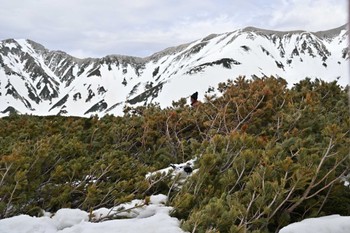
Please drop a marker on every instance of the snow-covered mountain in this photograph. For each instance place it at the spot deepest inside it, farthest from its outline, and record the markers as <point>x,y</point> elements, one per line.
<point>35,80</point>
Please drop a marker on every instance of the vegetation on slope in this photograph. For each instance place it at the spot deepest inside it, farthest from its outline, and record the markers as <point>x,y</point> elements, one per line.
<point>267,155</point>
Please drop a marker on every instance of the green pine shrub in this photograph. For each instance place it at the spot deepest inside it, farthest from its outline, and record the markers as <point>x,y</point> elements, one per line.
<point>267,155</point>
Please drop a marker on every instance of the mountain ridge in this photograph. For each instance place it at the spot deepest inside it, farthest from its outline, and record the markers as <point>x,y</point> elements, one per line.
<point>36,80</point>
<point>322,33</point>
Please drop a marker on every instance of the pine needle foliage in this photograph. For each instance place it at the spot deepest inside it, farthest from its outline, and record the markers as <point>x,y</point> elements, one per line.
<point>273,155</point>
<point>267,155</point>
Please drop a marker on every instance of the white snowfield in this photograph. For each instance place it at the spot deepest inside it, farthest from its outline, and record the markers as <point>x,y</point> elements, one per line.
<point>85,87</point>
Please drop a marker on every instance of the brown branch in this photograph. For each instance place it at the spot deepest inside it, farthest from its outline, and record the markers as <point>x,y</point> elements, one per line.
<point>4,175</point>
<point>115,215</point>
<point>250,113</point>
<point>312,183</point>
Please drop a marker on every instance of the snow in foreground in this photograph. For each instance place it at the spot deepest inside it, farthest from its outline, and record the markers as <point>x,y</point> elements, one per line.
<point>150,218</point>
<point>143,216</point>
<point>327,224</point>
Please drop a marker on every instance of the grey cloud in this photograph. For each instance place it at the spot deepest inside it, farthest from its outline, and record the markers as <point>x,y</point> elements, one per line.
<point>140,28</point>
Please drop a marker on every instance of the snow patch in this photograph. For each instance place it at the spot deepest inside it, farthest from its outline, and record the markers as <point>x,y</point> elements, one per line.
<point>65,218</point>
<point>327,224</point>
<point>152,217</point>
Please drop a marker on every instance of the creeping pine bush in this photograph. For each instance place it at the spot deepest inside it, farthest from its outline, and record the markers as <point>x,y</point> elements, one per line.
<point>267,155</point>
<point>273,155</point>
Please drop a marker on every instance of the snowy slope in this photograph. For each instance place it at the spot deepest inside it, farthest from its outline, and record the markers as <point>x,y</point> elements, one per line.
<point>34,80</point>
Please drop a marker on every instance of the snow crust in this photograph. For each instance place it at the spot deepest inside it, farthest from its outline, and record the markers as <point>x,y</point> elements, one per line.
<point>327,224</point>
<point>150,218</point>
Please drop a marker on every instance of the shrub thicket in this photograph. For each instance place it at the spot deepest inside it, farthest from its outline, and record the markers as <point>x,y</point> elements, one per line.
<point>268,155</point>
<point>274,155</point>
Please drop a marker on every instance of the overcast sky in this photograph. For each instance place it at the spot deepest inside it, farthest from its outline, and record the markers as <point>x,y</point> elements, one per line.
<point>96,28</point>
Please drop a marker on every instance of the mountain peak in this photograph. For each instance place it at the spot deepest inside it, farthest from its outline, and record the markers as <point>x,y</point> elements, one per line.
<point>36,46</point>
<point>322,34</point>
<point>270,32</point>
<point>331,33</point>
